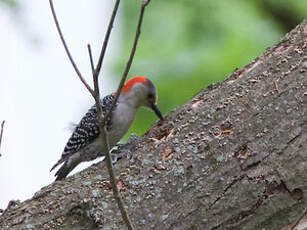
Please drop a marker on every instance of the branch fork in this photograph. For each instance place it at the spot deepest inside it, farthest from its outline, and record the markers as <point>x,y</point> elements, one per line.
<point>96,94</point>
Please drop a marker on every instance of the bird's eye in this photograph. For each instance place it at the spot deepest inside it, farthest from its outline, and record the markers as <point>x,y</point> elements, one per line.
<point>150,96</point>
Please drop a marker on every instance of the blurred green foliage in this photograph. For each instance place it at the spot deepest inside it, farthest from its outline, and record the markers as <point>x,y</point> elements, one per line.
<point>12,4</point>
<point>186,45</point>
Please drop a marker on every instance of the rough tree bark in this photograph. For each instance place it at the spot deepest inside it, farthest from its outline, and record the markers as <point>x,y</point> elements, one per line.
<point>233,157</point>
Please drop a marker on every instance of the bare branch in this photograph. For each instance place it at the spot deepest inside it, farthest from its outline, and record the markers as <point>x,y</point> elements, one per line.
<point>102,127</point>
<point>1,133</point>
<point>106,40</point>
<point>101,57</point>
<point>95,93</point>
<point>113,179</point>
<point>91,58</point>
<point>128,65</point>
<point>103,120</point>
<point>67,50</point>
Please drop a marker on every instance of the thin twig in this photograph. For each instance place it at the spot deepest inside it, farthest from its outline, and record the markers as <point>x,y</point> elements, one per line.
<point>67,50</point>
<point>95,94</point>
<point>113,180</point>
<point>1,133</point>
<point>106,40</point>
<point>101,57</point>
<point>128,65</point>
<point>102,126</point>
<point>106,150</point>
<point>91,58</point>
<point>102,123</point>
<point>299,219</point>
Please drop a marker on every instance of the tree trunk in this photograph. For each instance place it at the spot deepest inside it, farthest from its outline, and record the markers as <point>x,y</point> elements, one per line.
<point>233,157</point>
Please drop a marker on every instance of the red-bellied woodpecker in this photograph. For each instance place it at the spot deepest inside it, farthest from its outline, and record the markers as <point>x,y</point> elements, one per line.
<point>85,144</point>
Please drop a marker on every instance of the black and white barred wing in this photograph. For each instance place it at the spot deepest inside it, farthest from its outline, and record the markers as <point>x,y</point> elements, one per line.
<point>86,131</point>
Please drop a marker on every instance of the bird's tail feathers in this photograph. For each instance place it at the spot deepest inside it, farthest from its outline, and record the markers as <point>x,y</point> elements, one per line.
<point>66,168</point>
<point>58,163</point>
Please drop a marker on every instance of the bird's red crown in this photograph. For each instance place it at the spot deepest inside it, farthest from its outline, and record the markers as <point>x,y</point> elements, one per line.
<point>131,82</point>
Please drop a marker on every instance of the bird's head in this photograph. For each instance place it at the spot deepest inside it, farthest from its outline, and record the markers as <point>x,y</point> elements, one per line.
<point>141,92</point>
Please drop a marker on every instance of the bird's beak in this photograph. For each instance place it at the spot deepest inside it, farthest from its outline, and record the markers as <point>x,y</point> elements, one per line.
<point>155,108</point>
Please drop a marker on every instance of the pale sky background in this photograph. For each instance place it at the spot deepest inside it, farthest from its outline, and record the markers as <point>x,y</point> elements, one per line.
<point>40,94</point>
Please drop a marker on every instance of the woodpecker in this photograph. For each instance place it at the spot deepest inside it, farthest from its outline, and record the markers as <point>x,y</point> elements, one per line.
<point>85,144</point>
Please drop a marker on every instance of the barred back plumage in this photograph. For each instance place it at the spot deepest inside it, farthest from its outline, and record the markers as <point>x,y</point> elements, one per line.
<point>87,130</point>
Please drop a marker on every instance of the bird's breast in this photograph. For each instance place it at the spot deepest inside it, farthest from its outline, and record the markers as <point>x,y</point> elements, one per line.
<point>122,119</point>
